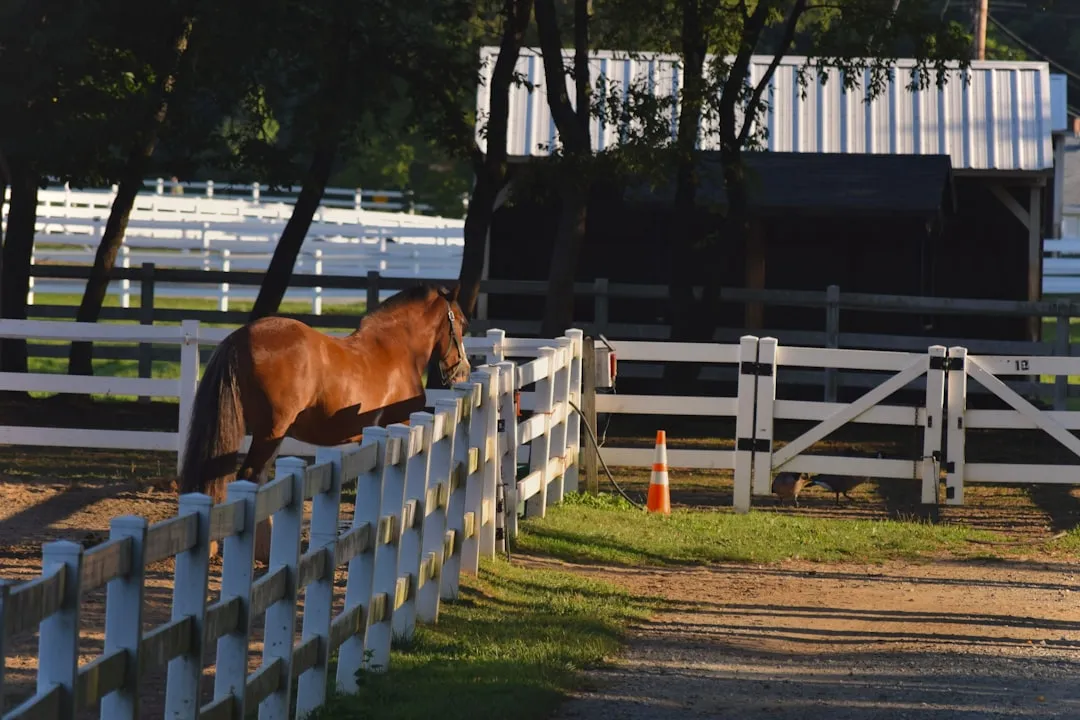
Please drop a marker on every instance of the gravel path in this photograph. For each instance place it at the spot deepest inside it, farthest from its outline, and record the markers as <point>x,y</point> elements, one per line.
<point>944,640</point>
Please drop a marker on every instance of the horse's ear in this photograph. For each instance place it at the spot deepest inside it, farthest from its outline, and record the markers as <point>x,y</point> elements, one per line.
<point>454,291</point>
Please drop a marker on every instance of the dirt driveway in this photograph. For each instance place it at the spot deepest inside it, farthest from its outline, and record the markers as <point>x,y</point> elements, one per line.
<point>944,640</point>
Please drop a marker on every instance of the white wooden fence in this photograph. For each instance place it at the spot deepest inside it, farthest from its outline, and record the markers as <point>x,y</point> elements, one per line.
<point>939,375</point>
<point>393,200</point>
<point>427,509</point>
<point>1061,256</point>
<point>213,233</point>
<point>762,365</point>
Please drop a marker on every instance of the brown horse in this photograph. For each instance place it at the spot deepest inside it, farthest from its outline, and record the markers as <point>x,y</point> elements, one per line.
<point>280,378</point>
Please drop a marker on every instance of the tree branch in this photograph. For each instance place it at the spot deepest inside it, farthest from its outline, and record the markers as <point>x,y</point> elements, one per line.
<point>582,11</point>
<point>566,121</point>
<point>785,45</point>
<point>516,16</point>
<point>750,36</point>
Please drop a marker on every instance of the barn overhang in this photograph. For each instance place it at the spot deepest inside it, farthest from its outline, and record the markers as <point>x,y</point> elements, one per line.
<point>820,184</point>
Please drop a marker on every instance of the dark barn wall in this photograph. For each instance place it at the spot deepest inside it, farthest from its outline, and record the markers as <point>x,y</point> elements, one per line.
<point>624,243</point>
<point>984,255</point>
<point>859,254</point>
<point>979,253</point>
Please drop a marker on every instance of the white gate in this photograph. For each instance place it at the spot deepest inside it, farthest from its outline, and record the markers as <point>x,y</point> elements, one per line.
<point>987,370</point>
<point>870,408</point>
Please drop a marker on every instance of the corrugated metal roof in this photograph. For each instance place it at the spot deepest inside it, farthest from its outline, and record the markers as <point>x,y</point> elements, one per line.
<point>1000,120</point>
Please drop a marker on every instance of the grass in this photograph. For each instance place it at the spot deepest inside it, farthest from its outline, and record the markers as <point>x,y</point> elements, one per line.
<point>606,529</point>
<point>510,647</point>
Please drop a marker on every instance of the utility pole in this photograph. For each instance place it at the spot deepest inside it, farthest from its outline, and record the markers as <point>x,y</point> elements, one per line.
<point>979,11</point>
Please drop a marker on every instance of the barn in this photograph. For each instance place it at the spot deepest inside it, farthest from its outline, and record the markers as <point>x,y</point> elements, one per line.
<point>936,192</point>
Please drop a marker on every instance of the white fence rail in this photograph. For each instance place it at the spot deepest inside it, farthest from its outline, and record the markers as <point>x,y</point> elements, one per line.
<point>427,509</point>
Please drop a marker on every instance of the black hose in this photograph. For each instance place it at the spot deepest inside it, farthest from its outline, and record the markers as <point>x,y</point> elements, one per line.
<point>592,436</point>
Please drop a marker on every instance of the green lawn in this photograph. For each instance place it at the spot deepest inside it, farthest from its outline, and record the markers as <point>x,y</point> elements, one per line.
<point>510,647</point>
<point>606,529</point>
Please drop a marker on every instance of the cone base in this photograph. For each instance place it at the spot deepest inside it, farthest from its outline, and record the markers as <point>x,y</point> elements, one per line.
<point>659,499</point>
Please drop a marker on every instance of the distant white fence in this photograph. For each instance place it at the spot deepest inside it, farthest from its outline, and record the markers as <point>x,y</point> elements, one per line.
<point>214,233</point>
<point>256,192</point>
<point>1061,256</point>
<point>427,509</point>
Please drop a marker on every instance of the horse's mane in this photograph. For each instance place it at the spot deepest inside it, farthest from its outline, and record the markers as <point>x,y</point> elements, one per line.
<point>385,312</point>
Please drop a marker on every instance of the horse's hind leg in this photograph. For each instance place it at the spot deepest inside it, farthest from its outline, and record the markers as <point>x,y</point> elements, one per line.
<point>256,467</point>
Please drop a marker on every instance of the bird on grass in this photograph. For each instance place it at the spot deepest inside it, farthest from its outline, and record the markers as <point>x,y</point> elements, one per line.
<point>841,484</point>
<point>838,484</point>
<point>788,485</point>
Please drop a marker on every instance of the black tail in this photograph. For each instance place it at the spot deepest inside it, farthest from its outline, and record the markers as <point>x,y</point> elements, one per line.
<point>216,428</point>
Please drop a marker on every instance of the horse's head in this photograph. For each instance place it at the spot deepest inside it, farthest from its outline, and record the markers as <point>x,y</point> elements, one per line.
<point>449,339</point>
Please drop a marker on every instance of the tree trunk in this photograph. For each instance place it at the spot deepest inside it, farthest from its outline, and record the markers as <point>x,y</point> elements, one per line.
<point>328,132</point>
<point>559,310</point>
<point>573,126</point>
<point>477,223</point>
<point>15,268</point>
<point>685,259</point>
<point>491,168</point>
<point>97,285</point>
<point>276,280</point>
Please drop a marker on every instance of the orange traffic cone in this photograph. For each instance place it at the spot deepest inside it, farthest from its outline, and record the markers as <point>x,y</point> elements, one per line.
<point>659,499</point>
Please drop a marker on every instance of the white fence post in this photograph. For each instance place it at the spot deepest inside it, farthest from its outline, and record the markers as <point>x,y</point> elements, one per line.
<point>230,678</point>
<point>540,447</point>
<point>123,618</point>
<point>226,266</point>
<point>455,504</point>
<point>189,600</point>
<point>280,620</point>
<point>358,588</point>
<point>442,425</point>
<point>490,460</point>
<point>319,594</point>
<point>954,439</point>
<point>932,431</point>
<point>561,403</point>
<point>125,284</point>
<point>189,383</point>
<point>474,480</point>
<point>58,634</point>
<point>5,589</point>
<point>744,422</point>
<point>387,544</point>
<point>496,355</point>
<point>573,418</point>
<point>763,414</point>
<point>508,472</point>
<point>415,509</point>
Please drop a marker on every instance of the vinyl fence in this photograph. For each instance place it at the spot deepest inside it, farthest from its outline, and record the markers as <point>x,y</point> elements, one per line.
<point>429,504</point>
